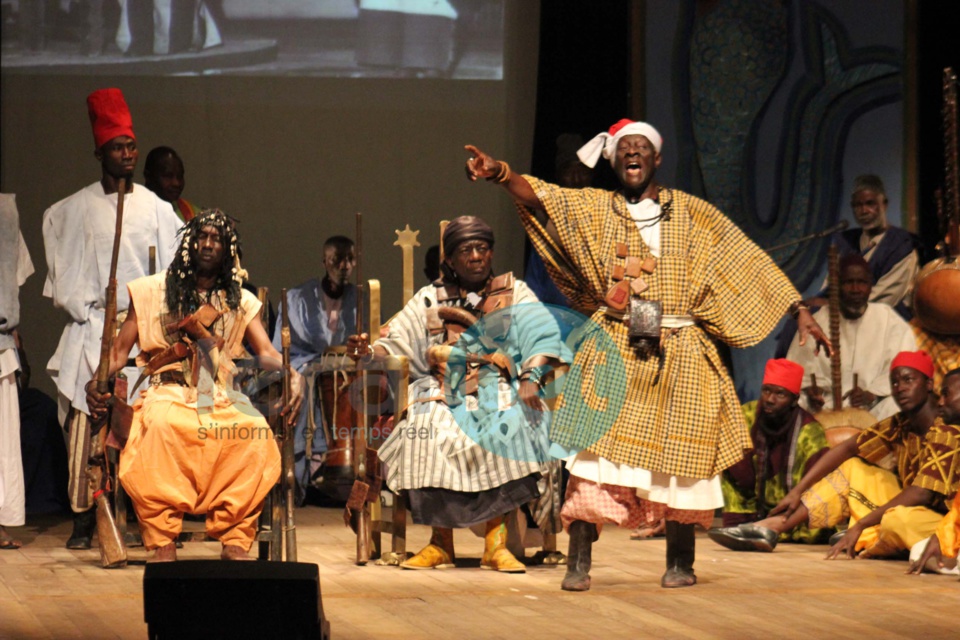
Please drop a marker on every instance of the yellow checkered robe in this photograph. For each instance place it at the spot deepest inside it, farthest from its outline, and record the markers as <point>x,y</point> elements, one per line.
<point>680,416</point>
<point>930,461</point>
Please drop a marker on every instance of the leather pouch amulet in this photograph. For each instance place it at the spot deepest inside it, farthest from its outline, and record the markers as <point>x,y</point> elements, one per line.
<point>645,320</point>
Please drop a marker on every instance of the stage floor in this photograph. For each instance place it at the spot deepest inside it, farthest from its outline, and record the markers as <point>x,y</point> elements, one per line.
<point>47,591</point>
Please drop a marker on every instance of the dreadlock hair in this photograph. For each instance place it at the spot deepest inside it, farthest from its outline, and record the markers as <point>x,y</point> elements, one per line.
<point>182,296</point>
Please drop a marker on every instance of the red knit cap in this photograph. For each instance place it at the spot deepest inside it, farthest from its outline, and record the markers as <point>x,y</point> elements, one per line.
<point>919,360</point>
<point>109,116</point>
<point>784,373</point>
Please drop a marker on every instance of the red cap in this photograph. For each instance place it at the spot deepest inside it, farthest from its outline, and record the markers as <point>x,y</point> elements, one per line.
<point>919,360</point>
<point>784,373</point>
<point>620,124</point>
<point>109,116</point>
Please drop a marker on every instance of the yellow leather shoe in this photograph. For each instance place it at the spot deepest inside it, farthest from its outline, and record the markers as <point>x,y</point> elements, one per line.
<point>496,556</point>
<point>502,560</point>
<point>430,557</point>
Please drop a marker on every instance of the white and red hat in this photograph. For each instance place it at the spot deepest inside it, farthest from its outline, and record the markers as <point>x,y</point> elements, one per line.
<point>605,143</point>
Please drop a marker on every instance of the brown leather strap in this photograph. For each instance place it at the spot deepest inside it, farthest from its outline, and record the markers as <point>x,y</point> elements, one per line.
<point>502,282</point>
<point>168,377</point>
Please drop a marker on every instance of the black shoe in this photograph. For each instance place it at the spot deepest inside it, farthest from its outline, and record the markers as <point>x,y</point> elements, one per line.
<point>836,537</point>
<point>681,553</point>
<point>83,525</point>
<point>582,536</point>
<point>745,537</point>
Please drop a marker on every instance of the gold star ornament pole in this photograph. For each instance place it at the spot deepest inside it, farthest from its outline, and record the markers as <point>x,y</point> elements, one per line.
<point>407,240</point>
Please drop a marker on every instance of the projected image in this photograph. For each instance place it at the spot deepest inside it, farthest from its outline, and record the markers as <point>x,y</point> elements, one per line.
<point>457,39</point>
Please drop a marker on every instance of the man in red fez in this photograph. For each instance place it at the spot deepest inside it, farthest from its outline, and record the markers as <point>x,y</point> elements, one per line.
<point>78,237</point>
<point>939,553</point>
<point>787,442</point>
<point>887,511</point>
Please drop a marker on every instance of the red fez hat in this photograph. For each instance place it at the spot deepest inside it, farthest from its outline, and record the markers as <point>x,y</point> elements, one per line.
<point>919,360</point>
<point>784,373</point>
<point>109,116</point>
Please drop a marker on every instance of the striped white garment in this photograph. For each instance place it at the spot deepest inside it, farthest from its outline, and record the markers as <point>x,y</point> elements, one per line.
<point>429,448</point>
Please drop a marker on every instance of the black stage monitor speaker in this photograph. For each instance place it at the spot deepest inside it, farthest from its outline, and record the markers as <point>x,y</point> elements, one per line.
<point>223,599</point>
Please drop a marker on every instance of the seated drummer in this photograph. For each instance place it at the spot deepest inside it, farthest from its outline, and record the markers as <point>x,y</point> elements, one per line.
<point>787,442</point>
<point>888,512</point>
<point>323,312</point>
<point>195,444</point>
<point>442,453</point>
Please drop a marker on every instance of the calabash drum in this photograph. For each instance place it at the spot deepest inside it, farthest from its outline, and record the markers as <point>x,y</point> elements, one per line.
<point>936,296</point>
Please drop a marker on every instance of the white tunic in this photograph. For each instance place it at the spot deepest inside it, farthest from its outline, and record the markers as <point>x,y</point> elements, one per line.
<point>867,347</point>
<point>12,496</point>
<point>78,238</point>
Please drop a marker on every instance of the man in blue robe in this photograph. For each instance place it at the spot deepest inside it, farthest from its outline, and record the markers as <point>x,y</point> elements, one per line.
<point>322,314</point>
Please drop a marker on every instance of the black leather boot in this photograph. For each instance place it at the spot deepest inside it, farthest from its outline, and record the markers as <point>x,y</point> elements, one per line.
<point>582,536</point>
<point>681,550</point>
<point>83,525</point>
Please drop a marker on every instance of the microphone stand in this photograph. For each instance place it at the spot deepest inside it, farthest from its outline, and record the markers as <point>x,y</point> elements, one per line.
<point>813,236</point>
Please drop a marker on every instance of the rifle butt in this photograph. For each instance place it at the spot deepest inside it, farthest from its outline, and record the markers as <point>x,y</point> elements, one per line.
<point>113,552</point>
<point>289,489</point>
<point>363,535</point>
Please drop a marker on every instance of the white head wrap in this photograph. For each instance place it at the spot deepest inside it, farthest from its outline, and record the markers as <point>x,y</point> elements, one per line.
<point>605,143</point>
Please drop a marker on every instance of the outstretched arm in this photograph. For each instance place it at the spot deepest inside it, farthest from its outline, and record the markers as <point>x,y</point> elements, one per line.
<point>483,166</point>
<point>930,552</point>
<point>829,462</point>
<point>807,327</point>
<point>910,497</point>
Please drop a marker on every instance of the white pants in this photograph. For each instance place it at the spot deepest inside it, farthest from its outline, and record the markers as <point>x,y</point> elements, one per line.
<point>12,496</point>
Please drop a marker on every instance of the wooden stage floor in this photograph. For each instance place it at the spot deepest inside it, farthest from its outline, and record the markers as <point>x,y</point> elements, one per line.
<point>47,591</point>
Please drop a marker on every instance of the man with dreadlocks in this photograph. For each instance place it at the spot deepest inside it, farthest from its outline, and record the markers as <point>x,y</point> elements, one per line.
<point>196,445</point>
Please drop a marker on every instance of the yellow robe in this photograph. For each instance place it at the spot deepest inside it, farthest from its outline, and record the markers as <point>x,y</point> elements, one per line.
<point>948,531</point>
<point>678,414</point>
<point>855,489</point>
<point>196,451</point>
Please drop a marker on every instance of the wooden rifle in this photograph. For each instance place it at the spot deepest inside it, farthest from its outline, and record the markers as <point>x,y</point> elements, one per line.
<point>270,537</point>
<point>289,478</point>
<point>113,551</point>
<point>365,490</point>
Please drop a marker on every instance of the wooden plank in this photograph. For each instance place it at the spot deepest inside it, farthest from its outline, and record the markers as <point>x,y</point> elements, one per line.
<point>47,591</point>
